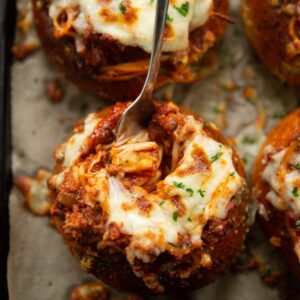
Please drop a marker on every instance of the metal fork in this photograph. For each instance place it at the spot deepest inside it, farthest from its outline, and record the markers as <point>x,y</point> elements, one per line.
<point>137,115</point>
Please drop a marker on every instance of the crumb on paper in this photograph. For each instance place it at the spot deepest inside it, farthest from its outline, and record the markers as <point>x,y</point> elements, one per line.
<point>27,41</point>
<point>35,192</point>
<point>90,291</point>
<point>247,72</point>
<point>249,140</point>
<point>23,49</point>
<point>260,257</point>
<point>221,111</point>
<point>229,85</point>
<point>55,91</point>
<point>249,92</point>
<point>99,291</point>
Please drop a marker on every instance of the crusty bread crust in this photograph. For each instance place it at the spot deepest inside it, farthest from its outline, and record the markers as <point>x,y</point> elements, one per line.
<point>279,223</point>
<point>86,69</point>
<point>274,34</point>
<point>222,238</point>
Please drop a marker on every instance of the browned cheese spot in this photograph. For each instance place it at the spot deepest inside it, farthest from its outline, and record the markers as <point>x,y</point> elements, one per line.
<point>144,205</point>
<point>199,164</point>
<point>169,32</point>
<point>126,206</point>
<point>129,16</point>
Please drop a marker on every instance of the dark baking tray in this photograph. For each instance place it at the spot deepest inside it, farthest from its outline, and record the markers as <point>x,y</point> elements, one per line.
<point>7,28</point>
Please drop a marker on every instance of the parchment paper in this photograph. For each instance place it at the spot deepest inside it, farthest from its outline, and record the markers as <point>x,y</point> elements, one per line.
<point>40,266</point>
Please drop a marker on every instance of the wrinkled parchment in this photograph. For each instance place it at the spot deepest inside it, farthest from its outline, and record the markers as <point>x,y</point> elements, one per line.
<point>40,267</point>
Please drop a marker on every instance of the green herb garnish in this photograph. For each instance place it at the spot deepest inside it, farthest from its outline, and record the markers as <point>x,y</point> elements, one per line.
<point>162,203</point>
<point>190,191</point>
<point>248,140</point>
<point>216,157</point>
<point>175,216</point>
<point>297,223</point>
<point>217,110</point>
<point>232,174</point>
<point>179,185</point>
<point>189,219</point>
<point>201,192</point>
<point>295,191</point>
<point>277,115</point>
<point>245,160</point>
<point>122,7</point>
<point>183,9</point>
<point>296,166</point>
<point>169,19</point>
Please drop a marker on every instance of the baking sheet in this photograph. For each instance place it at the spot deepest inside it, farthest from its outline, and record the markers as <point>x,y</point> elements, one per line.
<point>239,97</point>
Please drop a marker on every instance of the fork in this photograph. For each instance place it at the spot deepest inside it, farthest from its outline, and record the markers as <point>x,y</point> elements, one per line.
<point>139,112</point>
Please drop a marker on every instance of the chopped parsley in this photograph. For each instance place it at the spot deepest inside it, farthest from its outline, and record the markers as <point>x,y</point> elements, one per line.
<point>248,140</point>
<point>217,110</point>
<point>122,7</point>
<point>183,9</point>
<point>228,57</point>
<point>175,216</point>
<point>296,166</point>
<point>190,191</point>
<point>232,174</point>
<point>162,203</point>
<point>189,219</point>
<point>245,160</point>
<point>295,192</point>
<point>297,223</point>
<point>277,115</point>
<point>216,157</point>
<point>201,192</point>
<point>179,185</point>
<point>126,161</point>
<point>169,19</point>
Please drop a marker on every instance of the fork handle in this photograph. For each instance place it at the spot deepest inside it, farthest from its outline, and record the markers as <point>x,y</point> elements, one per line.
<point>157,43</point>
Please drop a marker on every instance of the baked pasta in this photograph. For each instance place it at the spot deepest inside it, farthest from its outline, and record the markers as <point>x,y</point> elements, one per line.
<point>273,29</point>
<point>276,182</point>
<point>104,46</point>
<point>167,210</point>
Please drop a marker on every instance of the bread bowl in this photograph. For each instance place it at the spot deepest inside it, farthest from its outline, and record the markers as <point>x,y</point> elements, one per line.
<point>104,46</point>
<point>273,30</point>
<point>276,180</point>
<point>166,211</point>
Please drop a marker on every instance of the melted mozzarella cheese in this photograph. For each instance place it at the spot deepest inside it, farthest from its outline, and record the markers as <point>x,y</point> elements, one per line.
<point>77,142</point>
<point>161,227</point>
<point>211,203</point>
<point>177,207</point>
<point>71,151</point>
<point>134,26</point>
<point>285,190</point>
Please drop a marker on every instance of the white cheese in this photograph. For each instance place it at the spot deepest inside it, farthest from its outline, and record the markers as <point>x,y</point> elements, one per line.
<point>134,28</point>
<point>284,183</point>
<point>77,142</point>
